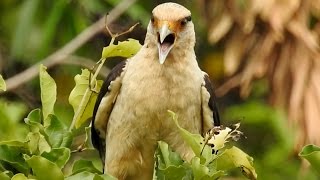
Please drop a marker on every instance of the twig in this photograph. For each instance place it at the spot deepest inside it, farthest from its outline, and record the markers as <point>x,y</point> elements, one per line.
<point>72,46</point>
<point>86,63</point>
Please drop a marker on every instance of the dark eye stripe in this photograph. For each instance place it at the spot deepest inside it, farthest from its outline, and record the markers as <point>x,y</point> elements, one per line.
<point>188,18</point>
<point>185,20</point>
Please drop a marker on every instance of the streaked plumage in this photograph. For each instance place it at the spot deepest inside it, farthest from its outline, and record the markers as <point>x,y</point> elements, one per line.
<point>131,115</point>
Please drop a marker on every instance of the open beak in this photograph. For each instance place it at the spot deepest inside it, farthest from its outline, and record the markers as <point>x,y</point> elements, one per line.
<point>166,39</point>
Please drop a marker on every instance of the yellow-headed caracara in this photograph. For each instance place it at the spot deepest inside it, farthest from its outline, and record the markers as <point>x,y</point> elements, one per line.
<point>131,112</point>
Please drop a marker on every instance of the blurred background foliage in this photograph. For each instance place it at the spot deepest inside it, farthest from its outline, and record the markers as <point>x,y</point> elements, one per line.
<point>263,58</point>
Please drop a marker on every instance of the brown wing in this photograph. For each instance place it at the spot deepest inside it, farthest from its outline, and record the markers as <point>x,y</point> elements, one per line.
<point>103,107</point>
<point>210,112</point>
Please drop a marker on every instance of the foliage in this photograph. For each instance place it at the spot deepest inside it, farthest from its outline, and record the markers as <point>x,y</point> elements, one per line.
<point>48,93</point>
<point>81,91</point>
<point>209,162</point>
<point>47,148</point>
<point>312,154</point>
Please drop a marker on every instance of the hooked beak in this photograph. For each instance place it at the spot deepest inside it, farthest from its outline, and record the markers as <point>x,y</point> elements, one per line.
<point>166,39</point>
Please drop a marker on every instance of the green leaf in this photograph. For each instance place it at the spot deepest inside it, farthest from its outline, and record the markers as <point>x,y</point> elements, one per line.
<point>59,156</point>
<point>34,120</point>
<point>199,170</point>
<point>87,141</point>
<point>34,116</point>
<point>48,93</point>
<point>125,49</point>
<point>13,156</point>
<point>19,176</point>
<point>33,142</point>
<point>2,84</point>
<point>105,177</point>
<point>312,154</point>
<point>168,157</point>
<point>18,144</point>
<point>82,175</point>
<point>84,165</point>
<point>80,91</point>
<point>90,176</point>
<point>236,158</point>
<point>4,175</point>
<point>169,165</point>
<point>43,145</point>
<point>44,169</point>
<point>174,172</point>
<point>195,141</point>
<point>203,172</point>
<point>55,131</point>
<point>67,140</point>
<point>37,143</point>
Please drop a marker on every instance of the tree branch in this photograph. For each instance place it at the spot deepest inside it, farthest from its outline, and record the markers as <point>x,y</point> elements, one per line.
<point>69,48</point>
<point>85,63</point>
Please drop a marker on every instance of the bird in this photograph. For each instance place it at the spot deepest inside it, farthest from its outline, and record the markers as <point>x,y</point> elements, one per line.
<point>131,111</point>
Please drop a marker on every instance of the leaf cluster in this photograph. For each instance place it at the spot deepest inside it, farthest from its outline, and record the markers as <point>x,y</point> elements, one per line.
<point>206,164</point>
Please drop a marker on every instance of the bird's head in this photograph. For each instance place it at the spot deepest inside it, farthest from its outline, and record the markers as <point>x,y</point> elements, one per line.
<point>171,29</point>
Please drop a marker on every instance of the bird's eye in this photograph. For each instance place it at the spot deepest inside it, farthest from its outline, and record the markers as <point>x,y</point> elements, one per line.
<point>184,21</point>
<point>152,19</point>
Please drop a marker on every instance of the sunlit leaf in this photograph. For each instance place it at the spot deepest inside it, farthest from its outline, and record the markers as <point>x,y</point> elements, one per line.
<point>34,116</point>
<point>84,165</point>
<point>43,145</point>
<point>173,172</point>
<point>80,91</point>
<point>195,141</point>
<point>2,84</point>
<point>236,158</point>
<point>56,131</point>
<point>34,120</point>
<point>44,169</point>
<point>198,169</point>
<point>90,176</point>
<point>59,156</point>
<point>4,176</point>
<point>37,143</point>
<point>33,142</point>
<point>19,176</point>
<point>48,93</point>
<point>169,165</point>
<point>126,49</point>
<point>312,154</point>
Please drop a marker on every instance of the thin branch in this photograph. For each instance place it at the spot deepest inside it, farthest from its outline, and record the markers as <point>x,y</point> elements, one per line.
<point>86,63</point>
<point>58,56</point>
